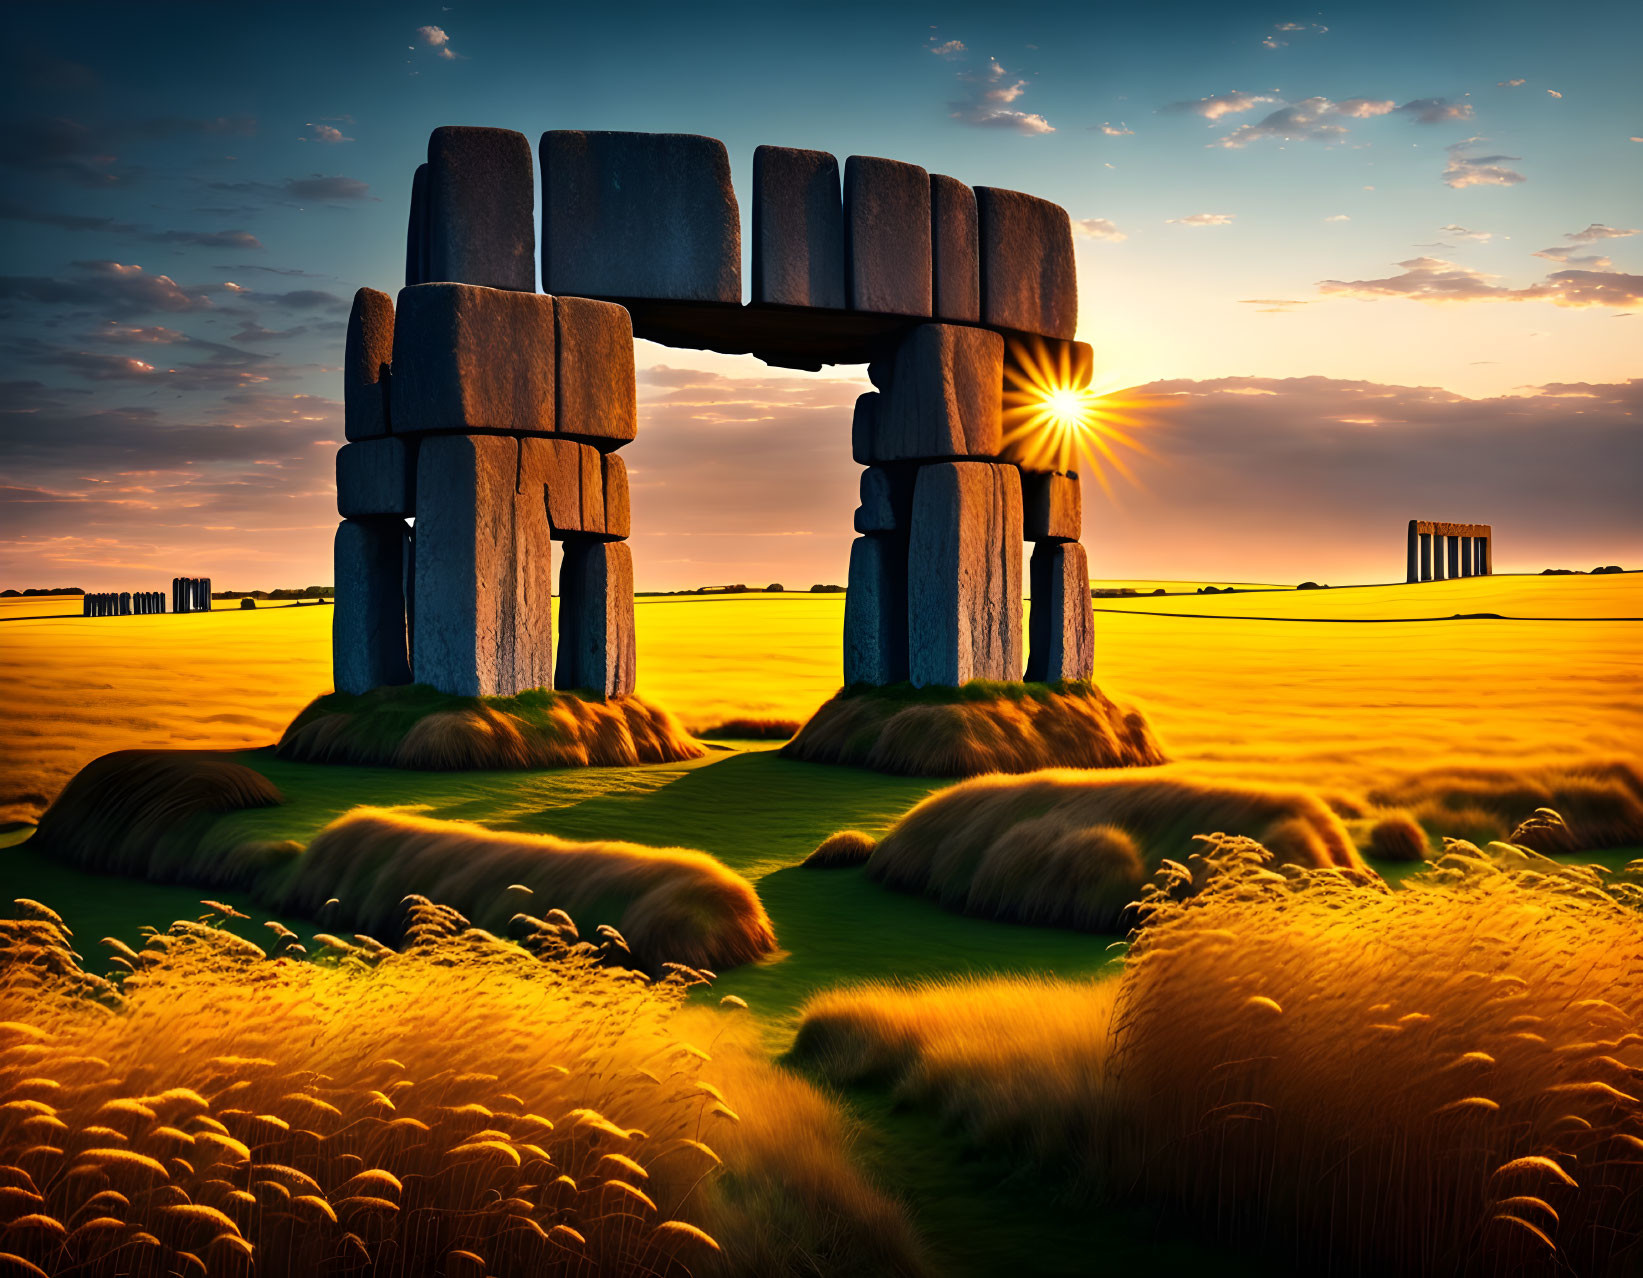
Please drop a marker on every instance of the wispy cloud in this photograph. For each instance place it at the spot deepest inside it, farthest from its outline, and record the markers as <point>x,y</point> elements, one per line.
<point>948,49</point>
<point>1457,232</point>
<point>1339,217</point>
<point>1097,228</point>
<point>326,133</point>
<point>1120,130</point>
<point>1202,219</point>
<point>1510,84</point>
<point>1464,170</point>
<point>1318,119</point>
<point>1219,104</point>
<point>1436,110</point>
<point>1432,279</point>
<point>434,38</point>
<point>989,101</point>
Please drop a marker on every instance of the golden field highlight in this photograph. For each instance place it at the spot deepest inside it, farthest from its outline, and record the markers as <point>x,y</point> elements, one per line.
<point>221,1110</point>
<point>976,729</point>
<point>415,727</point>
<point>671,904</point>
<point>1439,1080</point>
<point>1065,848</point>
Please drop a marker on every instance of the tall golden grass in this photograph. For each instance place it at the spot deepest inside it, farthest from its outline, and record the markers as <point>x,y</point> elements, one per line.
<point>1441,1080</point>
<point>1072,726</point>
<point>146,813</point>
<point>670,904</point>
<point>383,728</point>
<point>467,1107</point>
<point>1071,849</point>
<point>1599,800</point>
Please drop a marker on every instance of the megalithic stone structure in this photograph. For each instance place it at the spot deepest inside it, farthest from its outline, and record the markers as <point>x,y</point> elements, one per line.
<point>491,415</point>
<point>1447,551</point>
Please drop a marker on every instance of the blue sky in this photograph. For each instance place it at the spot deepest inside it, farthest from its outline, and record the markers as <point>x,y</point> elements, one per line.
<point>1393,195</point>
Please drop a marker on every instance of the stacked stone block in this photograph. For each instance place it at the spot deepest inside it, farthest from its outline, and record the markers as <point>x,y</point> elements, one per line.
<point>490,415</point>
<point>122,603</point>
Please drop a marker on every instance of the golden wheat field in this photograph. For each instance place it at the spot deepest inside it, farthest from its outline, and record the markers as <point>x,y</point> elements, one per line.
<point>1313,697</point>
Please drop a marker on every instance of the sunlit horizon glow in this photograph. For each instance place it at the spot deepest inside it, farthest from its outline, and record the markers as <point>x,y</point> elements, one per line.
<point>1058,417</point>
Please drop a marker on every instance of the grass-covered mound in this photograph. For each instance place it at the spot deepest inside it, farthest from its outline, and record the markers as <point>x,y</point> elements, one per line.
<point>466,1107</point>
<point>668,904</point>
<point>1442,1080</point>
<point>1070,849</point>
<point>148,813</point>
<point>417,727</point>
<point>980,727</point>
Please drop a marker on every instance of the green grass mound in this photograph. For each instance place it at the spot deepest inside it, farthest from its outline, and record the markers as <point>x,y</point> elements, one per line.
<point>418,727</point>
<point>1066,848</point>
<point>980,727</point>
<point>149,813</point>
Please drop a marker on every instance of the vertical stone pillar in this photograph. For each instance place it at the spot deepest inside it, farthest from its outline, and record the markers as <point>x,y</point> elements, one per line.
<point>964,574</point>
<point>1440,556</point>
<point>1466,558</point>
<point>368,648</point>
<point>1061,624</point>
<point>597,650</point>
<point>875,611</point>
<point>1452,544</point>
<point>125,603</point>
<point>1488,568</point>
<point>1414,565</point>
<point>1426,556</point>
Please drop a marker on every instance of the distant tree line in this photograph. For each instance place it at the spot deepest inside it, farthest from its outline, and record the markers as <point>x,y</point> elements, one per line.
<point>51,590</point>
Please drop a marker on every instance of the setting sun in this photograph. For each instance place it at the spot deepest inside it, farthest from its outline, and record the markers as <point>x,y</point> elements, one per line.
<point>1055,417</point>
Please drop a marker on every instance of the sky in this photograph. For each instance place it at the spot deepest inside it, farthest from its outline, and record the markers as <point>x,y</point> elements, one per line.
<point>1345,266</point>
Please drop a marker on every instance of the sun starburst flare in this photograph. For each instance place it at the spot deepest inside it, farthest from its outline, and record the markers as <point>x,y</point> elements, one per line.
<point>1058,416</point>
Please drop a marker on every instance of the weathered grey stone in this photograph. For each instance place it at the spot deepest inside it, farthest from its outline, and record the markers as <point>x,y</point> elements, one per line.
<point>416,230</point>
<point>571,475</point>
<point>1440,556</point>
<point>618,508</point>
<point>367,354</point>
<point>944,398</point>
<point>596,640</point>
<point>1414,566</point>
<point>1452,546</point>
<point>886,236</point>
<point>481,208</point>
<point>1468,559</point>
<point>1028,277</point>
<point>955,250</point>
<point>964,574</point>
<point>376,477</point>
<point>368,625</point>
<point>1061,623</point>
<point>640,215</point>
<point>864,427</point>
<point>471,358</point>
<point>798,228</point>
<point>875,612</point>
<point>1052,506</point>
<point>886,499</point>
<point>125,603</point>
<point>484,607</point>
<point>597,393</point>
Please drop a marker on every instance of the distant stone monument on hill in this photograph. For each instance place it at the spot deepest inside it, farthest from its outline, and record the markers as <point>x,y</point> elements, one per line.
<point>1444,551</point>
<point>493,415</point>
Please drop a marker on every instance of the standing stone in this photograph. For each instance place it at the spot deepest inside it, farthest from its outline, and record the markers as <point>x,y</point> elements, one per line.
<point>1426,556</point>
<point>875,612</point>
<point>964,574</point>
<point>864,427</point>
<point>596,640</point>
<point>944,397</point>
<point>125,603</point>
<point>639,215</point>
<point>481,208</point>
<point>955,250</point>
<point>367,355</point>
<point>798,229</point>
<point>376,477</point>
<point>1440,555</point>
<point>1061,622</point>
<point>1414,566</point>
<point>1485,551</point>
<point>618,507</point>
<point>368,626</point>
<point>887,259</point>
<point>886,499</point>
<point>1052,506</point>
<point>482,626</point>
<point>416,231</point>
<point>1029,281</point>
<point>1466,556</point>
<point>1452,547</point>
<point>596,391</point>
<point>570,478</point>
<point>469,358</point>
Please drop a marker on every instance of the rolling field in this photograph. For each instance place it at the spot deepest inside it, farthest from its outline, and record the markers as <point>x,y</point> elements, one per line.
<point>1254,690</point>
